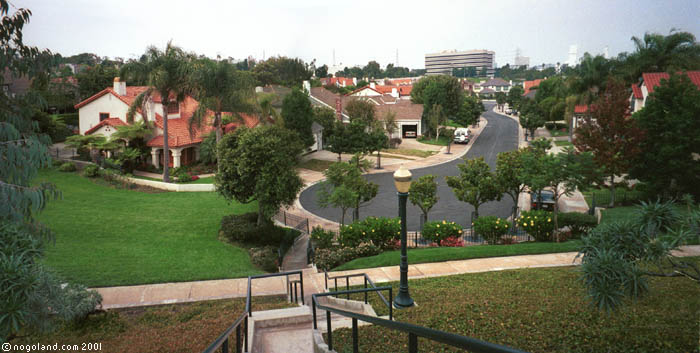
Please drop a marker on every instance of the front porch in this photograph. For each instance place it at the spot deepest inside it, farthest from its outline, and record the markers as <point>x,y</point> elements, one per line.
<point>178,156</point>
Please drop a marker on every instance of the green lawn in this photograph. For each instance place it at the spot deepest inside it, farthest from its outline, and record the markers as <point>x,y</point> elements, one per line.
<point>442,140</point>
<point>538,310</point>
<point>187,327</point>
<point>410,152</point>
<point>564,143</point>
<point>318,165</point>
<point>107,236</point>
<point>416,256</point>
<point>207,180</point>
<point>454,124</point>
<point>622,196</point>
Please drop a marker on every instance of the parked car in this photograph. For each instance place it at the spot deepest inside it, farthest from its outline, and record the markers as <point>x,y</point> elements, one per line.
<point>409,134</point>
<point>509,111</point>
<point>462,135</point>
<point>545,203</point>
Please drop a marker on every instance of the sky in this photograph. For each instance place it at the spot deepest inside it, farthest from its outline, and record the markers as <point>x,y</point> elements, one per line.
<point>358,31</point>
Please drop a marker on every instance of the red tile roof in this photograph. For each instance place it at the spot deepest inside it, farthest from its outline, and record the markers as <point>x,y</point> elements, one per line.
<point>404,109</point>
<point>653,79</point>
<point>527,85</point>
<point>131,93</point>
<point>249,121</point>
<point>399,81</point>
<point>179,128</point>
<point>401,90</point>
<point>580,109</point>
<point>109,121</point>
<point>637,91</point>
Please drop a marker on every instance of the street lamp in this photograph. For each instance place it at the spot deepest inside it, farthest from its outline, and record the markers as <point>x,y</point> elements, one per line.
<point>402,180</point>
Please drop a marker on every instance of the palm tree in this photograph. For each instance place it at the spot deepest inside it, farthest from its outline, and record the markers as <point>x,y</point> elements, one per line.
<point>266,110</point>
<point>166,73</point>
<point>656,52</point>
<point>220,87</point>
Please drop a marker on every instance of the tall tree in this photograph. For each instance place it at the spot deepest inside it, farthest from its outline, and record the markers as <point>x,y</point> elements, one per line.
<point>610,134</point>
<point>348,175</point>
<point>94,79</point>
<point>515,95</point>
<point>658,53</point>
<point>167,75</point>
<point>362,111</point>
<point>321,71</point>
<point>531,122</point>
<point>500,100</point>
<point>423,193</point>
<point>668,160</point>
<point>298,115</point>
<point>31,297</point>
<point>372,70</point>
<point>436,118</point>
<point>438,89</point>
<point>476,184</point>
<point>220,87</point>
<point>259,164</point>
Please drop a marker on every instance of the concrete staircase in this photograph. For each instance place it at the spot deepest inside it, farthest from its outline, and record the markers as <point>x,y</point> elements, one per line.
<point>291,330</point>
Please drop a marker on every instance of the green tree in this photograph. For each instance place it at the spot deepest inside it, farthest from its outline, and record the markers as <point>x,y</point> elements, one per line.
<point>372,70</point>
<point>438,89</point>
<point>362,111</point>
<point>219,87</point>
<point>298,115</point>
<point>510,176</point>
<point>469,111</point>
<point>377,141</point>
<point>321,71</point>
<point>531,122</point>
<point>610,134</point>
<point>515,95</point>
<point>31,297</point>
<point>339,196</point>
<point>617,258</point>
<point>593,72</point>
<point>423,193</point>
<point>436,119</point>
<point>667,162</point>
<point>349,176</point>
<point>94,79</point>
<point>500,100</point>
<point>658,53</point>
<point>259,164</point>
<point>476,184</point>
<point>167,74</point>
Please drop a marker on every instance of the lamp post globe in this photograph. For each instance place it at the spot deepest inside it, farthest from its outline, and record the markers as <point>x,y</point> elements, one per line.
<point>402,180</point>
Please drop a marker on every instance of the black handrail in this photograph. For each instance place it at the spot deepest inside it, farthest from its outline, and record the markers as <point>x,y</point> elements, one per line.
<point>352,291</point>
<point>347,285</point>
<point>414,331</point>
<point>222,340</point>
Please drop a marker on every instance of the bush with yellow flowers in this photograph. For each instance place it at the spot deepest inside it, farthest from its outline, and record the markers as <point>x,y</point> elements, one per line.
<point>491,228</point>
<point>538,223</point>
<point>440,230</point>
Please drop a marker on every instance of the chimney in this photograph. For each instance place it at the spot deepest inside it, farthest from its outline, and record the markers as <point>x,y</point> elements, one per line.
<point>394,92</point>
<point>511,82</point>
<point>372,85</point>
<point>307,86</point>
<point>119,87</point>
<point>354,81</point>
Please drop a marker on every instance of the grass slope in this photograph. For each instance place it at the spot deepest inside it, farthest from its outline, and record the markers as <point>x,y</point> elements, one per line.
<point>538,310</point>
<point>417,256</point>
<point>108,237</point>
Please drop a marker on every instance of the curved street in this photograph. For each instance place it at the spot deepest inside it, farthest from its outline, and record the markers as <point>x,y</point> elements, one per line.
<point>499,135</point>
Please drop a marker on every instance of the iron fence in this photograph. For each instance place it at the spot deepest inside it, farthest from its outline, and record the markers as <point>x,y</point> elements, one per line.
<point>291,220</point>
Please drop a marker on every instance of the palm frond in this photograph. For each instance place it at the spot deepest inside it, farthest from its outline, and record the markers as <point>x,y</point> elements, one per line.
<point>141,103</point>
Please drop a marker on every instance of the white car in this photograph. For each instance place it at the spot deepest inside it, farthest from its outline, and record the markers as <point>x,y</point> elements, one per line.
<point>462,135</point>
<point>509,111</point>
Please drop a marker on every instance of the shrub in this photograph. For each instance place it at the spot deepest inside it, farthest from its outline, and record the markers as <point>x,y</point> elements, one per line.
<point>452,242</point>
<point>91,171</point>
<point>352,235</point>
<point>56,163</point>
<point>181,175</point>
<point>244,229</point>
<point>323,239</point>
<point>394,142</point>
<point>327,259</point>
<point>67,167</point>
<point>109,175</point>
<point>491,228</point>
<point>265,257</point>
<point>537,223</point>
<point>382,231</point>
<point>579,223</point>
<point>440,230</point>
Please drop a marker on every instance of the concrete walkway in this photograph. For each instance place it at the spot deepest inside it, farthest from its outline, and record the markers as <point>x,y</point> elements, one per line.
<point>169,293</point>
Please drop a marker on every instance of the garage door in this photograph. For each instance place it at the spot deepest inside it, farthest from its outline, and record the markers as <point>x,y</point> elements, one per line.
<point>409,131</point>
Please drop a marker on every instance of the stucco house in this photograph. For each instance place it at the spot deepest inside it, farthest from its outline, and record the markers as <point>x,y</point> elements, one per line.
<point>651,80</point>
<point>103,112</point>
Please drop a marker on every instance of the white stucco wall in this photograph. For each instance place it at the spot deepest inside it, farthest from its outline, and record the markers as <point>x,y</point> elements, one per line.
<point>89,115</point>
<point>366,93</point>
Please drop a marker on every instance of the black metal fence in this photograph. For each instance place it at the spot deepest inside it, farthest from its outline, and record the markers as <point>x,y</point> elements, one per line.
<point>469,237</point>
<point>291,220</point>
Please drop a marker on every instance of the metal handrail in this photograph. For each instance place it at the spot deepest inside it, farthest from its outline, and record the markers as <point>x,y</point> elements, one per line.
<point>347,285</point>
<point>222,340</point>
<point>414,331</point>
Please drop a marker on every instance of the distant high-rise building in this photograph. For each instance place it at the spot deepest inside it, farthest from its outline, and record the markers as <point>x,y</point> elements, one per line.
<point>522,61</point>
<point>606,53</point>
<point>445,61</point>
<point>573,55</point>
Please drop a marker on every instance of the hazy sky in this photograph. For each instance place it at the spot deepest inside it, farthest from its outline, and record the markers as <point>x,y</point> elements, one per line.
<point>359,31</point>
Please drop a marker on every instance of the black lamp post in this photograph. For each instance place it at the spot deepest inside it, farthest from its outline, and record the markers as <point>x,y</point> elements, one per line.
<point>402,180</point>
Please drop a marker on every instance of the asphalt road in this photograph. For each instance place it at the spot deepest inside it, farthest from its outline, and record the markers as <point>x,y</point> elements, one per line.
<point>499,135</point>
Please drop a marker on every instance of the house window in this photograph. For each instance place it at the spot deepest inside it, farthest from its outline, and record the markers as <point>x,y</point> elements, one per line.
<point>104,116</point>
<point>173,108</point>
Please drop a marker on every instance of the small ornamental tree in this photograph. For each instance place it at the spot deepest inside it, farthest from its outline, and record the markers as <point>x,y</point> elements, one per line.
<point>500,100</point>
<point>347,175</point>
<point>509,172</point>
<point>259,164</point>
<point>423,193</point>
<point>515,95</point>
<point>475,184</point>
<point>531,122</point>
<point>610,134</point>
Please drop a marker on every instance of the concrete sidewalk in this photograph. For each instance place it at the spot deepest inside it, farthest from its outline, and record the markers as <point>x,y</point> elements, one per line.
<point>169,293</point>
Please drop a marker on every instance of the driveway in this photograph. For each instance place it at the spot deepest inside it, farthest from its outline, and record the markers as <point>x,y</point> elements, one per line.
<point>501,134</point>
